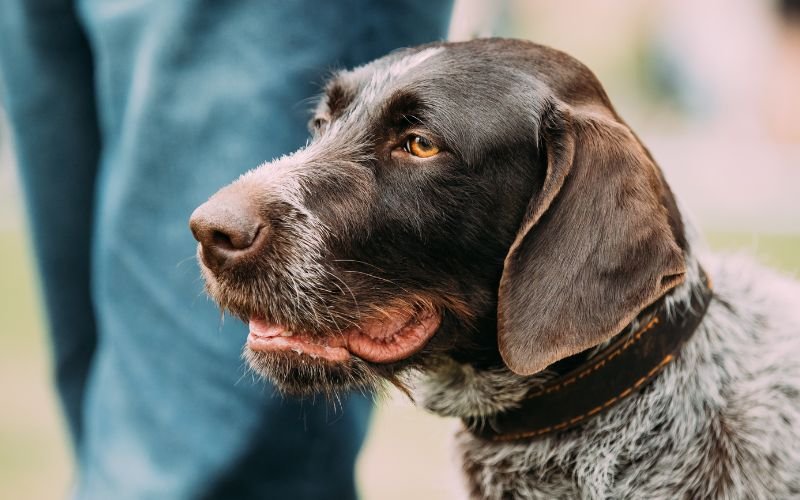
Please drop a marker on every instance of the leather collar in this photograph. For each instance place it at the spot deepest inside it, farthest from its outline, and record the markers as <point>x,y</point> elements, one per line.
<point>601,381</point>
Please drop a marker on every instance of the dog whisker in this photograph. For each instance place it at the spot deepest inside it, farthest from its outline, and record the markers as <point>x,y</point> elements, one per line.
<point>379,278</point>
<point>356,261</point>
<point>350,290</point>
<point>181,262</point>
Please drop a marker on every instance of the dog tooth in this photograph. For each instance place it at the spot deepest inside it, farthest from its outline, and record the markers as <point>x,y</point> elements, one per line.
<point>287,333</point>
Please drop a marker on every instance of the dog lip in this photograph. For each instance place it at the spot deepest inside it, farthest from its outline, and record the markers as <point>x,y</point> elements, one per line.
<point>394,339</point>
<point>261,328</point>
<point>379,341</point>
<point>297,344</point>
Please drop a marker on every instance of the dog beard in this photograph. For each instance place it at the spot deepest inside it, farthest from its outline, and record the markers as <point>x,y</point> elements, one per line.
<point>301,376</point>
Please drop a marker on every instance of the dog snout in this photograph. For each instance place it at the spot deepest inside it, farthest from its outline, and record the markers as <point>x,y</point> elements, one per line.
<point>229,229</point>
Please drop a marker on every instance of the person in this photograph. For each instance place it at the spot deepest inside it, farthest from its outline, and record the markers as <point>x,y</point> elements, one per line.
<point>126,115</point>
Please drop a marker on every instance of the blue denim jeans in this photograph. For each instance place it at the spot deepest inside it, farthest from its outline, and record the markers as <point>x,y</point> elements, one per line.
<point>127,114</point>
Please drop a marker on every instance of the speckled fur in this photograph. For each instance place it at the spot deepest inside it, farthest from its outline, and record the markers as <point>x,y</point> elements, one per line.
<point>722,421</point>
<point>540,214</point>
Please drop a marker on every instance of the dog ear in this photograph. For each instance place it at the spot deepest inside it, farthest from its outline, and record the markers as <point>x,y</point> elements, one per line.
<point>595,245</point>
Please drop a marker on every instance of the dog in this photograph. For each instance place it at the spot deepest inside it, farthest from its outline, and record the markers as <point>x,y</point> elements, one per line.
<point>475,222</point>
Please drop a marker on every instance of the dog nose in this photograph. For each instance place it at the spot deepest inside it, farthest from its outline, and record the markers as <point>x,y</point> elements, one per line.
<point>228,230</point>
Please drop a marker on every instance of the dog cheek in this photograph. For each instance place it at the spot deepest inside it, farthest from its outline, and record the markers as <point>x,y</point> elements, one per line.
<point>341,198</point>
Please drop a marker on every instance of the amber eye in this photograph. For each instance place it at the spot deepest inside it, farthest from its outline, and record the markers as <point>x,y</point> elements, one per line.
<point>420,146</point>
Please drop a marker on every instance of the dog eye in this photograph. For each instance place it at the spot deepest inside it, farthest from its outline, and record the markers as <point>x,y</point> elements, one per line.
<point>420,146</point>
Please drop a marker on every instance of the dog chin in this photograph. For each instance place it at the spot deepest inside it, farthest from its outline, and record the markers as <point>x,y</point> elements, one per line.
<point>298,375</point>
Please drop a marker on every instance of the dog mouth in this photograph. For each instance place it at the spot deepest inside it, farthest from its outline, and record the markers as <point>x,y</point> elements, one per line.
<point>386,340</point>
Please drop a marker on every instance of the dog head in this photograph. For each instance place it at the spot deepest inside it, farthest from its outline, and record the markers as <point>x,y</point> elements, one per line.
<point>479,200</point>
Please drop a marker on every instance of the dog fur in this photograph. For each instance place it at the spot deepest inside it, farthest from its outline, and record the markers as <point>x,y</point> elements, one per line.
<point>542,229</point>
<point>721,422</point>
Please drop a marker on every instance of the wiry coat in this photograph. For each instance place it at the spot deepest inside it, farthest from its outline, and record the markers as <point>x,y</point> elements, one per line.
<point>537,228</point>
<point>722,421</point>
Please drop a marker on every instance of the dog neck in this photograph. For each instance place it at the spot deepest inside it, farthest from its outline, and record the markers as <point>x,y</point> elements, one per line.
<point>591,385</point>
<point>500,405</point>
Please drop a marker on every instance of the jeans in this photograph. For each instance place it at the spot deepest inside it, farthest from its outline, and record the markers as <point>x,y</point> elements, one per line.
<point>126,115</point>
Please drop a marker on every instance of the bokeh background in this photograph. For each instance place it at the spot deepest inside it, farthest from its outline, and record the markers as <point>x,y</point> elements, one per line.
<point>712,87</point>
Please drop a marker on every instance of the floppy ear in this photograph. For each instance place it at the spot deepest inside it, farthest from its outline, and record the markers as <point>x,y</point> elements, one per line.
<point>594,248</point>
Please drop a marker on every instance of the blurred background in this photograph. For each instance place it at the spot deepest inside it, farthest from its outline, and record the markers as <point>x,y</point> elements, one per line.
<point>713,88</point>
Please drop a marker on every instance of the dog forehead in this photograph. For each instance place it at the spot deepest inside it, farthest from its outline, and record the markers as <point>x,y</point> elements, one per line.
<point>374,80</point>
<point>491,64</point>
<point>467,75</point>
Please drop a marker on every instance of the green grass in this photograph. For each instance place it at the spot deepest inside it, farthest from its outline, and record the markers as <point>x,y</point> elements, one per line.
<point>781,251</point>
<point>405,455</point>
<point>34,462</point>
